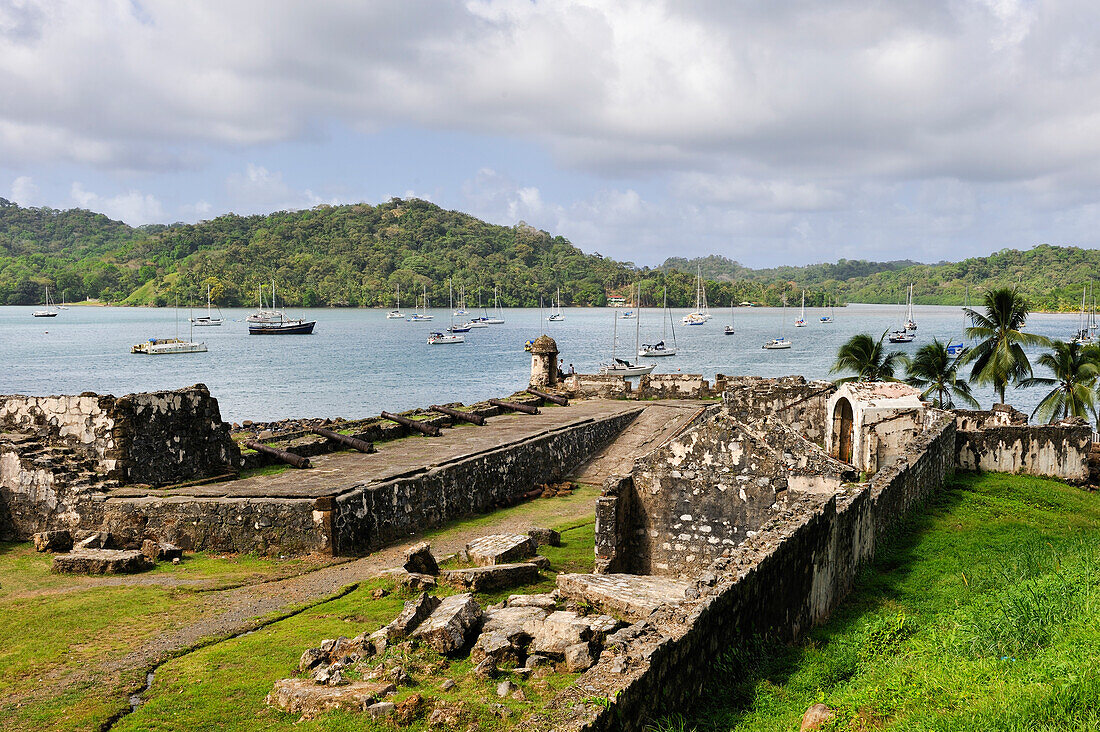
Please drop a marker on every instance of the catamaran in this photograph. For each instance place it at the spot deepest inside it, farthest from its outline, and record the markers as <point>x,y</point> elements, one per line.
<point>556,315</point>
<point>801,322</point>
<point>621,366</point>
<point>170,346</point>
<point>50,310</point>
<point>396,313</point>
<point>208,319</point>
<point>276,322</point>
<point>659,348</point>
<point>780,343</point>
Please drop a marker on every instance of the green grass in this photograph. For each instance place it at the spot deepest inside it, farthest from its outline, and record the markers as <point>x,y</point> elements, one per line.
<point>984,615</point>
<point>223,686</point>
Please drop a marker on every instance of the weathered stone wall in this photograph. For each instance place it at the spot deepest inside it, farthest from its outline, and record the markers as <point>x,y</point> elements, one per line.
<point>1002,415</point>
<point>84,424</point>
<point>799,403</point>
<point>780,582</point>
<point>606,386</point>
<point>1059,450</point>
<point>372,516</point>
<point>673,386</point>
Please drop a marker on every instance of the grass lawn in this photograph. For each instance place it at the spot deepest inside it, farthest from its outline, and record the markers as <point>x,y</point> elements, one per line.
<point>223,686</point>
<point>984,615</point>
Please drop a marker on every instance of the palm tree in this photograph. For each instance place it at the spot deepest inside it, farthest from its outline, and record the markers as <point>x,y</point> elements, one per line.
<point>864,355</point>
<point>937,373</point>
<point>1000,357</point>
<point>1075,369</point>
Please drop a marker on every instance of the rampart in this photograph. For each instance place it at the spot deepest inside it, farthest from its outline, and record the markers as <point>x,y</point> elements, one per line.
<point>800,403</point>
<point>782,580</point>
<point>1059,450</point>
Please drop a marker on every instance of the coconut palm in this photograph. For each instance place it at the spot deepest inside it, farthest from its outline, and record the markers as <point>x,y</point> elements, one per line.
<point>865,356</point>
<point>1075,369</point>
<point>935,371</point>
<point>1000,358</point>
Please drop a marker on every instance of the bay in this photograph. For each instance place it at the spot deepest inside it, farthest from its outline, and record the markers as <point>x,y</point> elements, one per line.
<point>358,363</point>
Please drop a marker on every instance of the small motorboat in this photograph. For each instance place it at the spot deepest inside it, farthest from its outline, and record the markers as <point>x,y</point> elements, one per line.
<point>729,330</point>
<point>459,328</point>
<point>656,349</point>
<point>776,344</point>
<point>957,349</point>
<point>901,336</point>
<point>444,339</point>
<point>167,346</point>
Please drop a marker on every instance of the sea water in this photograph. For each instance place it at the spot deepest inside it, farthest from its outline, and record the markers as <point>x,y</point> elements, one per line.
<point>358,363</point>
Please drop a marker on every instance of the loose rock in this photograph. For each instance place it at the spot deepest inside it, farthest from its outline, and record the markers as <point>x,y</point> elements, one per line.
<point>419,559</point>
<point>500,549</point>
<point>544,537</point>
<point>815,717</point>
<point>101,561</point>
<point>578,657</point>
<point>451,624</point>
<point>504,688</point>
<point>305,698</point>
<point>488,578</point>
<point>545,602</point>
<point>53,541</point>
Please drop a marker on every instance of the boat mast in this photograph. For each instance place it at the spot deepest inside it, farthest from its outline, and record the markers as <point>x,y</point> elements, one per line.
<point>614,335</point>
<point>637,327</point>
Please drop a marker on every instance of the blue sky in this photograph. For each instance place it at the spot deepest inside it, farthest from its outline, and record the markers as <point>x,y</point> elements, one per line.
<point>785,132</point>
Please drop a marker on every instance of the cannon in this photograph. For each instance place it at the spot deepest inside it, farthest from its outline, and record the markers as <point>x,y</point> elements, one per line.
<point>559,400</point>
<point>353,442</point>
<point>456,414</point>
<point>526,409</point>
<point>427,429</point>
<point>289,458</point>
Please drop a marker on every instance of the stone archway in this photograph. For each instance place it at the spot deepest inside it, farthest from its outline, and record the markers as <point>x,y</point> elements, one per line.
<point>843,424</point>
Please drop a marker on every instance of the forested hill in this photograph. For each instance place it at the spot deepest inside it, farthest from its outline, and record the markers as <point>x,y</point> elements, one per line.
<point>356,255</point>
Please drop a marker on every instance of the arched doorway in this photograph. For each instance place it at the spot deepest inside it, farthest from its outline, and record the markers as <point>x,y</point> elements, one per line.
<point>842,430</point>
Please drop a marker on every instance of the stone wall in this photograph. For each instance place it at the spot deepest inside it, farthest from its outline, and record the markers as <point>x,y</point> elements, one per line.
<point>1002,415</point>
<point>605,386</point>
<point>372,516</point>
<point>799,403</point>
<point>786,578</point>
<point>1059,450</point>
<point>673,386</point>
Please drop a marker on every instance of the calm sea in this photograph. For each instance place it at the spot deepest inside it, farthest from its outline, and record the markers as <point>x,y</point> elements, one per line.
<point>358,363</point>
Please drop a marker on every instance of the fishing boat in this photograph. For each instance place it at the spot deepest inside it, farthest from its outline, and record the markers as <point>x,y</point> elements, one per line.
<point>781,343</point>
<point>396,313</point>
<point>729,327</point>
<point>277,323</point>
<point>170,346</point>
<point>208,319</point>
<point>828,318</point>
<point>556,315</point>
<point>910,323</point>
<point>621,366</point>
<point>659,348</point>
<point>49,310</point>
<point>423,316</point>
<point>497,318</point>
<point>801,322</point>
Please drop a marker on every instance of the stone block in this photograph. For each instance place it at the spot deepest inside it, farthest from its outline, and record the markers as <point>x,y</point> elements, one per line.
<point>500,646</point>
<point>450,627</point>
<point>53,541</point>
<point>419,559</point>
<point>500,549</point>
<point>97,540</point>
<point>559,630</point>
<point>545,602</point>
<point>579,657</point>
<point>494,577</point>
<point>414,613</point>
<point>544,537</point>
<point>411,580</point>
<point>101,561</point>
<point>628,595</point>
<point>513,619</point>
<point>160,550</point>
<point>304,697</point>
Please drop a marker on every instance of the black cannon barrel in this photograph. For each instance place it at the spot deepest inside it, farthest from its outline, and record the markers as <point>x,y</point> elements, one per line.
<point>559,400</point>
<point>352,442</point>
<point>515,406</point>
<point>464,416</point>
<point>430,430</point>
<point>290,458</point>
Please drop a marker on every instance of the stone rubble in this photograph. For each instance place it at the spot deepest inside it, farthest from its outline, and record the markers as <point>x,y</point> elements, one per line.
<point>419,559</point>
<point>544,537</point>
<point>101,561</point>
<point>53,541</point>
<point>488,578</point>
<point>500,549</point>
<point>450,626</point>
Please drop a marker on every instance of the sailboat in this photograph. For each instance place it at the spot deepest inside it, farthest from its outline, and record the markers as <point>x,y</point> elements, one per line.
<point>482,320</point>
<point>729,328</point>
<point>633,312</point>
<point>700,314</point>
<point>450,338</point>
<point>461,310</point>
<point>64,298</point>
<point>455,328</point>
<point>208,319</point>
<point>396,314</point>
<point>421,317</point>
<point>910,324</point>
<point>265,316</point>
<point>171,346</point>
<point>780,343</point>
<point>801,322</point>
<point>622,366</point>
<point>1084,334</point>
<point>828,318</point>
<point>497,317</point>
<point>556,315</point>
<point>902,334</point>
<point>958,349</point>
<point>659,348</point>
<point>277,323</point>
<point>50,310</point>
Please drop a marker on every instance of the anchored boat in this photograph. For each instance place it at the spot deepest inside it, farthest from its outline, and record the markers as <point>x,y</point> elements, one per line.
<point>275,322</point>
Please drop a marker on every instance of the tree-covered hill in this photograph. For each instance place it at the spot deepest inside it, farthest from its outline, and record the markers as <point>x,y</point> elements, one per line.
<point>357,255</point>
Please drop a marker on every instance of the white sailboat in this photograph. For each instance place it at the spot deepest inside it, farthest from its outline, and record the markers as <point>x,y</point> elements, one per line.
<point>902,334</point>
<point>556,315</point>
<point>660,348</point>
<point>621,366</point>
<point>482,321</point>
<point>49,310</point>
<point>801,322</point>
<point>700,314</point>
<point>171,346</point>
<point>451,337</point>
<point>424,316</point>
<point>633,311</point>
<point>208,319</point>
<point>828,318</point>
<point>265,316</point>
<point>396,313</point>
<point>64,299</point>
<point>780,343</point>
<point>910,324</point>
<point>497,318</point>
<point>461,310</point>
<point>729,328</point>
<point>1084,333</point>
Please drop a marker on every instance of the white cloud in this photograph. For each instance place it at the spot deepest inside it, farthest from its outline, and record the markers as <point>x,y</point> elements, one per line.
<point>133,207</point>
<point>258,189</point>
<point>24,191</point>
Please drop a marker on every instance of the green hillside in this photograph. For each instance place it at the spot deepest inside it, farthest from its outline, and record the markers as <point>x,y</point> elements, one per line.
<point>357,255</point>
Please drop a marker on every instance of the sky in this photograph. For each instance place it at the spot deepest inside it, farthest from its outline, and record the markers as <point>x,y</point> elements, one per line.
<point>779,132</point>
